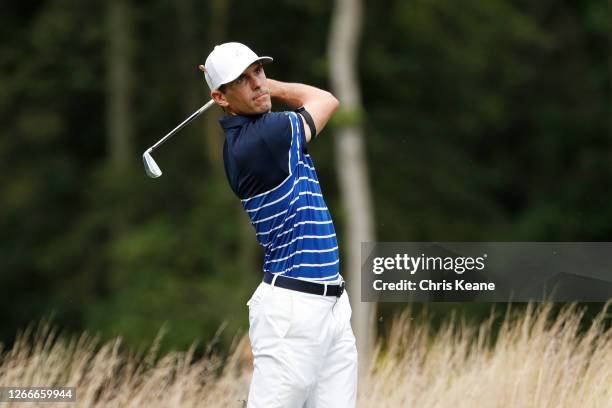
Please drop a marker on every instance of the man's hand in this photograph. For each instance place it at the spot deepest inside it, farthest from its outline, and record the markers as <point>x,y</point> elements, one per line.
<point>319,103</point>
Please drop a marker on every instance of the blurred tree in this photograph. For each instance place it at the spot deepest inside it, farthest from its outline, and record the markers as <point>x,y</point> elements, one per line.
<point>217,32</point>
<point>351,164</point>
<point>119,83</point>
<point>119,121</point>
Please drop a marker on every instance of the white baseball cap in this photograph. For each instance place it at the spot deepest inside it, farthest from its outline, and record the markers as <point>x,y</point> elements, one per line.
<point>227,62</point>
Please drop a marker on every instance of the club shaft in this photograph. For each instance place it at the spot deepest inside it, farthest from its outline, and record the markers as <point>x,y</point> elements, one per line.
<point>182,124</point>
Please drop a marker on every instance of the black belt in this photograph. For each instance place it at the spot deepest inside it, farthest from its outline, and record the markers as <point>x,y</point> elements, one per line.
<point>305,286</point>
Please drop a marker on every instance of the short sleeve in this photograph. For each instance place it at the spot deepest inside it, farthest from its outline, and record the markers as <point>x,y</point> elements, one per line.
<point>283,132</point>
<point>275,131</point>
<point>260,152</point>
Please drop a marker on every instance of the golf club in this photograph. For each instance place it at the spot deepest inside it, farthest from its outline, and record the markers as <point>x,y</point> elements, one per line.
<point>151,167</point>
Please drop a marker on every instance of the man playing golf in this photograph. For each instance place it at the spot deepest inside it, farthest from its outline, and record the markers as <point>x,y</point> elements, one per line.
<point>299,316</point>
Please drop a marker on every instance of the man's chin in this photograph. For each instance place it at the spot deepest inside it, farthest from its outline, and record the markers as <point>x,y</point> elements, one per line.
<point>256,110</point>
<point>264,108</point>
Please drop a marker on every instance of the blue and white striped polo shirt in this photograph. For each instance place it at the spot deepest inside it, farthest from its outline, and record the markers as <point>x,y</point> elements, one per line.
<point>269,169</point>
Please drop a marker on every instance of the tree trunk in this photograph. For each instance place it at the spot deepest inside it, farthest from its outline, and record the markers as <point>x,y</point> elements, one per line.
<point>188,60</point>
<point>119,129</point>
<point>217,28</point>
<point>119,82</point>
<point>351,165</point>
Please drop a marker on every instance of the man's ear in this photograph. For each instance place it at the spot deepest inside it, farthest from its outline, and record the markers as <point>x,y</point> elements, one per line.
<point>219,98</point>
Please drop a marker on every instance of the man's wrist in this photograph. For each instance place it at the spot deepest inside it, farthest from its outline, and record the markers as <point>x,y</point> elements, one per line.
<point>276,89</point>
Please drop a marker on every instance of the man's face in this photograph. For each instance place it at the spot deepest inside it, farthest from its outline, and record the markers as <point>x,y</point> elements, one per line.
<point>246,95</point>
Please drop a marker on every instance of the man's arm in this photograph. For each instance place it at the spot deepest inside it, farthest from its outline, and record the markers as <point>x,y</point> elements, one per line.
<point>319,103</point>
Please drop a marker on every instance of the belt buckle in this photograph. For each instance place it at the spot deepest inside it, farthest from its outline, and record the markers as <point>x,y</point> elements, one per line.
<point>341,289</point>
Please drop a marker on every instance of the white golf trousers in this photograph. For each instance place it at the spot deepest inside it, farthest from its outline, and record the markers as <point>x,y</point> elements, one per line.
<point>304,350</point>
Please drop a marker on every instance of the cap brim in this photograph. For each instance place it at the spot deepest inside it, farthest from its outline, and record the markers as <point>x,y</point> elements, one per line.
<point>265,60</point>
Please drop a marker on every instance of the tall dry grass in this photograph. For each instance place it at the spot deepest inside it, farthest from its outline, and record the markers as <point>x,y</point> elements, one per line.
<point>534,361</point>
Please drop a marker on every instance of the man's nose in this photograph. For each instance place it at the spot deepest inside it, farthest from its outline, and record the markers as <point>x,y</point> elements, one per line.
<point>255,82</point>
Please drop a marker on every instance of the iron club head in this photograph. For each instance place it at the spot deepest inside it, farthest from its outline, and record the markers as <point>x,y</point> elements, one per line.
<point>151,167</point>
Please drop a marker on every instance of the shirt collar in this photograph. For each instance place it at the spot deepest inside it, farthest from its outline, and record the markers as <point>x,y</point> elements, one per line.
<point>230,121</point>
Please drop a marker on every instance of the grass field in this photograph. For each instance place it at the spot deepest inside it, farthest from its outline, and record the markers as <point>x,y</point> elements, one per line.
<point>532,360</point>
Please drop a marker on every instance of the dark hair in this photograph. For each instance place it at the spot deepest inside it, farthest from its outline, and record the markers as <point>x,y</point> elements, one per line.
<point>222,88</point>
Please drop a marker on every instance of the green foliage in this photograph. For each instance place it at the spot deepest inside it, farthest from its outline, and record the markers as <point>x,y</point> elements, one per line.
<point>348,117</point>
<point>486,120</point>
